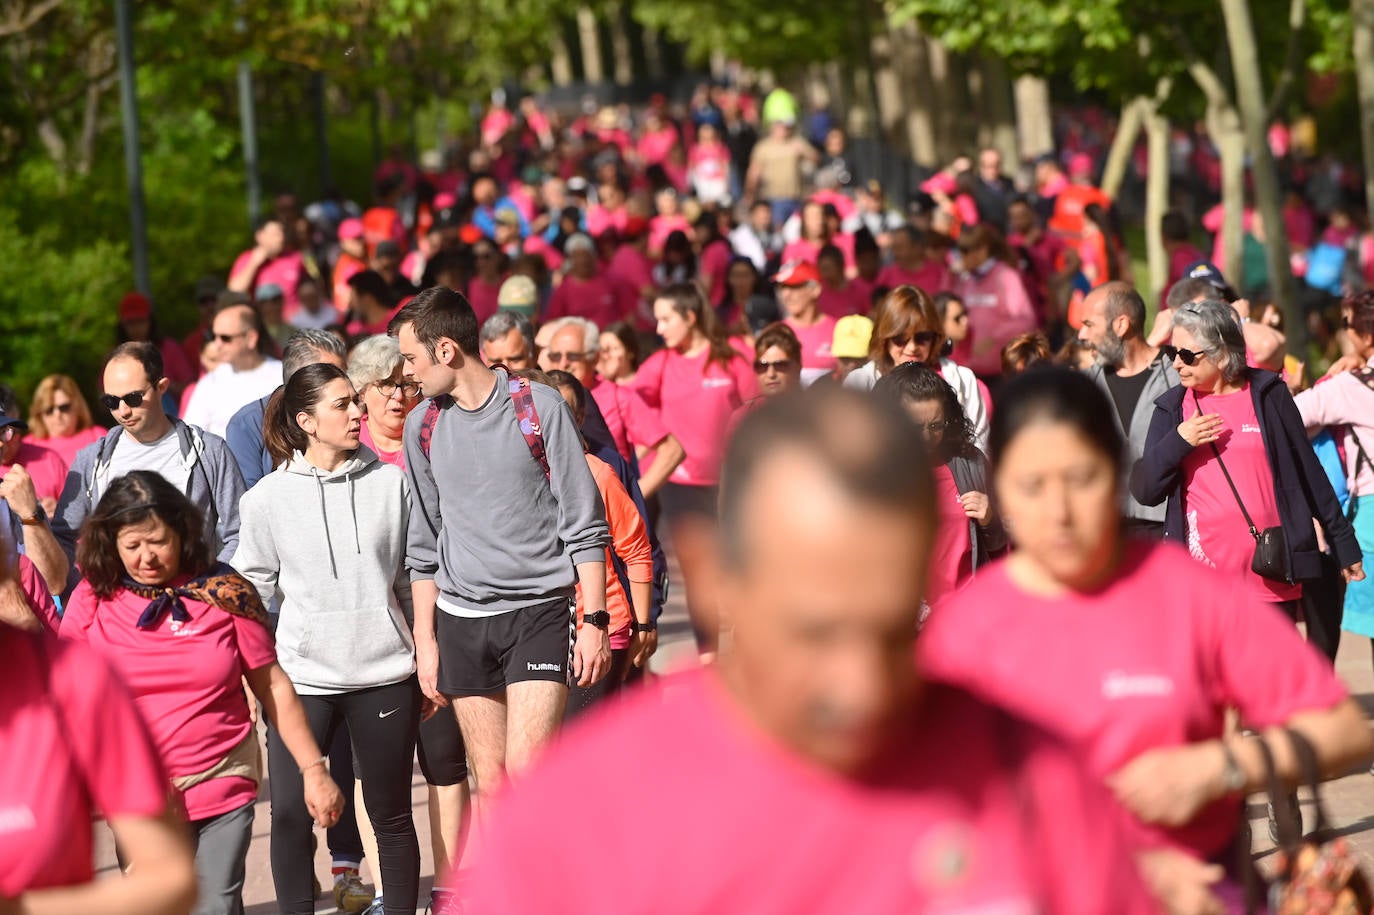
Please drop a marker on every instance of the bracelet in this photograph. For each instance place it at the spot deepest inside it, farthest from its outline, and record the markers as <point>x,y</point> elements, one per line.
<point>323,760</point>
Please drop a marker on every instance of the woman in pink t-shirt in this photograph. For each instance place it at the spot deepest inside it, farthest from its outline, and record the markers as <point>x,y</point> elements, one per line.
<point>374,367</point>
<point>1127,649</point>
<point>696,381</point>
<point>60,419</point>
<point>1228,452</point>
<point>185,632</point>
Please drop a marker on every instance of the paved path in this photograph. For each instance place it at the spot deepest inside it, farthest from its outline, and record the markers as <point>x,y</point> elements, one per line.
<point>1349,801</point>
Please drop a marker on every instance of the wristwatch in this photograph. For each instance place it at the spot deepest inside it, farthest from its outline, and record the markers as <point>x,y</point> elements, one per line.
<point>600,619</point>
<point>651,626</point>
<point>1233,777</point>
<point>39,517</point>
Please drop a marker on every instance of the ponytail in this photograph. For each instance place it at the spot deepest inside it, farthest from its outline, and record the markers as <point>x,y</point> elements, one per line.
<point>281,434</point>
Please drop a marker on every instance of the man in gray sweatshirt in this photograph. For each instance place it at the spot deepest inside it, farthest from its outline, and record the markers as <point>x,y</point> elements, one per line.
<point>505,522</point>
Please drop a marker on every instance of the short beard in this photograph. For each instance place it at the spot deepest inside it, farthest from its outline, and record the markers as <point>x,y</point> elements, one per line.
<point>1111,352</point>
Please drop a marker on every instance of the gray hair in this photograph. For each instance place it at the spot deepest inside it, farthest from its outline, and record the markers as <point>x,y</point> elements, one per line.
<point>374,359</point>
<point>304,347</point>
<point>591,334</point>
<point>1124,299</point>
<point>1216,328</point>
<point>503,322</point>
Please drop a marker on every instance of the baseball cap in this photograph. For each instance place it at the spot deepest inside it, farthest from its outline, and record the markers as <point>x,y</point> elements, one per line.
<point>853,333</point>
<point>797,273</point>
<point>135,307</point>
<point>351,228</point>
<point>269,291</point>
<point>635,227</point>
<point>507,217</point>
<point>6,420</point>
<point>518,294</point>
<point>1205,270</point>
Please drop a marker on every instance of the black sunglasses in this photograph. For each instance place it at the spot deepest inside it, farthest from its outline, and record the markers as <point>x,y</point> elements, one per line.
<point>134,399</point>
<point>1188,356</point>
<point>781,366</point>
<point>921,338</point>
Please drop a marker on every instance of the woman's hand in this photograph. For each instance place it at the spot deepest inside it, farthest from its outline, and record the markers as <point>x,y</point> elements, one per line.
<point>323,798</point>
<point>1353,573</point>
<point>1169,786</point>
<point>976,507</point>
<point>1203,429</point>
<point>1181,883</point>
<point>642,648</point>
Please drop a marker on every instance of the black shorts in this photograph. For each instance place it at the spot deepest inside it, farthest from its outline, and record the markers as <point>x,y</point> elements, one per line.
<point>482,654</point>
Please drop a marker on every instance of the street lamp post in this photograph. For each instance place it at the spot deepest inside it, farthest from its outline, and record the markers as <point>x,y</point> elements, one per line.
<point>133,155</point>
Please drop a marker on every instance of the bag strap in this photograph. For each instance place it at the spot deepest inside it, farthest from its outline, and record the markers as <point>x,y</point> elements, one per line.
<point>428,423</point>
<point>1254,531</point>
<point>1311,775</point>
<point>522,398</point>
<point>1289,832</point>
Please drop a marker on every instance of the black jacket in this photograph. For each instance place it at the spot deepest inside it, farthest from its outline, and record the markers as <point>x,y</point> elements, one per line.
<point>971,475</point>
<point>1301,488</point>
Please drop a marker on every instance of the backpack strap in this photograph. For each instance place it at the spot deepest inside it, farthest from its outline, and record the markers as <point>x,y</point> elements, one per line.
<point>522,398</point>
<point>427,424</point>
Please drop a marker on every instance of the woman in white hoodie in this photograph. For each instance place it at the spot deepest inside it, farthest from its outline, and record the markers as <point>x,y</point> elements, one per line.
<point>326,531</point>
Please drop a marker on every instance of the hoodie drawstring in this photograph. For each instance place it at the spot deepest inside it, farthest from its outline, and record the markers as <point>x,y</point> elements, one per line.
<point>353,507</point>
<point>324,515</point>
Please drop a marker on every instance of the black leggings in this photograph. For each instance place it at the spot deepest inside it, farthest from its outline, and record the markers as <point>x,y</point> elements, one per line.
<point>383,723</point>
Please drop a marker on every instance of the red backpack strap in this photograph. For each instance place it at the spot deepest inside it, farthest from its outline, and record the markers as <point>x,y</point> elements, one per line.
<point>428,423</point>
<point>1366,375</point>
<point>522,398</point>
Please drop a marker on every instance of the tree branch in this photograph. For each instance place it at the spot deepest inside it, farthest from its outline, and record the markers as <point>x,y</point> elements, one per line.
<point>1297,19</point>
<point>1202,74</point>
<point>23,21</point>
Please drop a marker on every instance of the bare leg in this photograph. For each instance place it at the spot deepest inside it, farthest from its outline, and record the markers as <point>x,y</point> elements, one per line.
<point>447,828</point>
<point>365,832</point>
<point>482,719</point>
<point>536,711</point>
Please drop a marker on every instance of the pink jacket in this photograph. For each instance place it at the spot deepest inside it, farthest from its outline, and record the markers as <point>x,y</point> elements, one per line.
<point>999,310</point>
<point>1344,400</point>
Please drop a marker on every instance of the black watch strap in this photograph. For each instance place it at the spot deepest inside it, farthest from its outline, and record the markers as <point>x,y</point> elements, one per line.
<point>600,619</point>
<point>651,626</point>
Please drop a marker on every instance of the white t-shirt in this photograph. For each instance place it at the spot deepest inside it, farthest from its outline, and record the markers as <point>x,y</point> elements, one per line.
<point>223,392</point>
<point>325,317</point>
<point>162,457</point>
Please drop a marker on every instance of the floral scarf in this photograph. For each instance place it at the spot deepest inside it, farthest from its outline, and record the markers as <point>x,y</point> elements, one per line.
<point>221,587</point>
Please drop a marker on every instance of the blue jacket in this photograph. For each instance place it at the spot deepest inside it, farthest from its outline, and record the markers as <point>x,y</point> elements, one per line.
<point>1301,489</point>
<point>244,436</point>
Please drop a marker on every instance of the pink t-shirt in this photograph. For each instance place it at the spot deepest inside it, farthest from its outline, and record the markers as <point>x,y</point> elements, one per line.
<point>1134,666</point>
<point>37,594</point>
<point>285,271</point>
<point>631,421</point>
<point>931,277</point>
<point>601,300</point>
<point>951,561</point>
<point>66,448</point>
<point>482,296</point>
<point>633,268</point>
<point>849,299</point>
<point>396,458</point>
<point>696,399</point>
<point>815,344</point>
<point>186,679</point>
<point>45,466</point>
<point>940,823</point>
<point>71,743</point>
<point>1217,533</point>
<point>715,263</point>
<point>660,227</point>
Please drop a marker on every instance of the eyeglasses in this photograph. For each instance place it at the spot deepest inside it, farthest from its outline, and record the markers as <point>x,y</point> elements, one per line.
<point>1188,356</point>
<point>559,358</point>
<point>387,388</point>
<point>134,399</point>
<point>230,338</point>
<point>920,338</point>
<point>781,366</point>
<point>63,408</point>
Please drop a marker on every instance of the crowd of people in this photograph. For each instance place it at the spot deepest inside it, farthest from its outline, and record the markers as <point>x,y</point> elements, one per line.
<point>923,466</point>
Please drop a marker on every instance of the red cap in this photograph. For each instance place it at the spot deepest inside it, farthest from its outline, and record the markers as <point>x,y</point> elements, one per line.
<point>797,273</point>
<point>635,227</point>
<point>351,228</point>
<point>470,234</point>
<point>135,307</point>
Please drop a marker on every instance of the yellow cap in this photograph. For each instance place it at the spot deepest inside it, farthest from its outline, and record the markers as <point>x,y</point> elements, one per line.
<point>852,336</point>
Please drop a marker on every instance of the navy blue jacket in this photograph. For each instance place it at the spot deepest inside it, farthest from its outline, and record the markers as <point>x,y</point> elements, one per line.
<point>1301,489</point>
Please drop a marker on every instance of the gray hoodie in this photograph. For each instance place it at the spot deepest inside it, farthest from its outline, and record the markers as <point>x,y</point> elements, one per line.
<point>333,546</point>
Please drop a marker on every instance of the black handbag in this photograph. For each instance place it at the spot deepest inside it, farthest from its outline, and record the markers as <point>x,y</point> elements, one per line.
<point>1270,559</point>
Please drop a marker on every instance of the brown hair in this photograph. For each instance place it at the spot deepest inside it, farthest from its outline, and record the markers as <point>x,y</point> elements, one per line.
<point>783,337</point>
<point>134,498</point>
<point>1025,351</point>
<point>983,235</point>
<point>436,313</point>
<point>1361,308</point>
<point>282,435</point>
<point>42,402</point>
<point>687,299</point>
<point>905,310</point>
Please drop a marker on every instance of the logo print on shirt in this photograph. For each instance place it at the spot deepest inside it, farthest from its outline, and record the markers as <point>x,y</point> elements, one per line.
<point>1117,684</point>
<point>387,714</point>
<point>17,819</point>
<point>715,382</point>
<point>1250,427</point>
<point>530,665</point>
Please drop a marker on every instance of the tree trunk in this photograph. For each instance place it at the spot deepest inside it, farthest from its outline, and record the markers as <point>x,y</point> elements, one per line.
<point>998,110</point>
<point>1156,191</point>
<point>1240,35</point>
<point>653,53</point>
<point>590,38</point>
<point>887,82</point>
<point>914,65</point>
<point>1034,125</point>
<point>560,58</point>
<point>1123,143</point>
<point>1230,143</point>
<point>1362,15</point>
<point>622,61</point>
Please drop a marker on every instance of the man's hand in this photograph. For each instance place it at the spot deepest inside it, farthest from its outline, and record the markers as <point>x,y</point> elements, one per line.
<point>15,609</point>
<point>1169,786</point>
<point>1181,884</point>
<point>16,488</point>
<point>591,655</point>
<point>427,668</point>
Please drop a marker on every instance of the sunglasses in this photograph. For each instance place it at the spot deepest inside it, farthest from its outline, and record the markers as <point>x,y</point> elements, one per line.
<point>230,338</point>
<point>134,399</point>
<point>559,358</point>
<point>920,338</point>
<point>781,366</point>
<point>1188,356</point>
<point>63,408</point>
<point>408,389</point>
